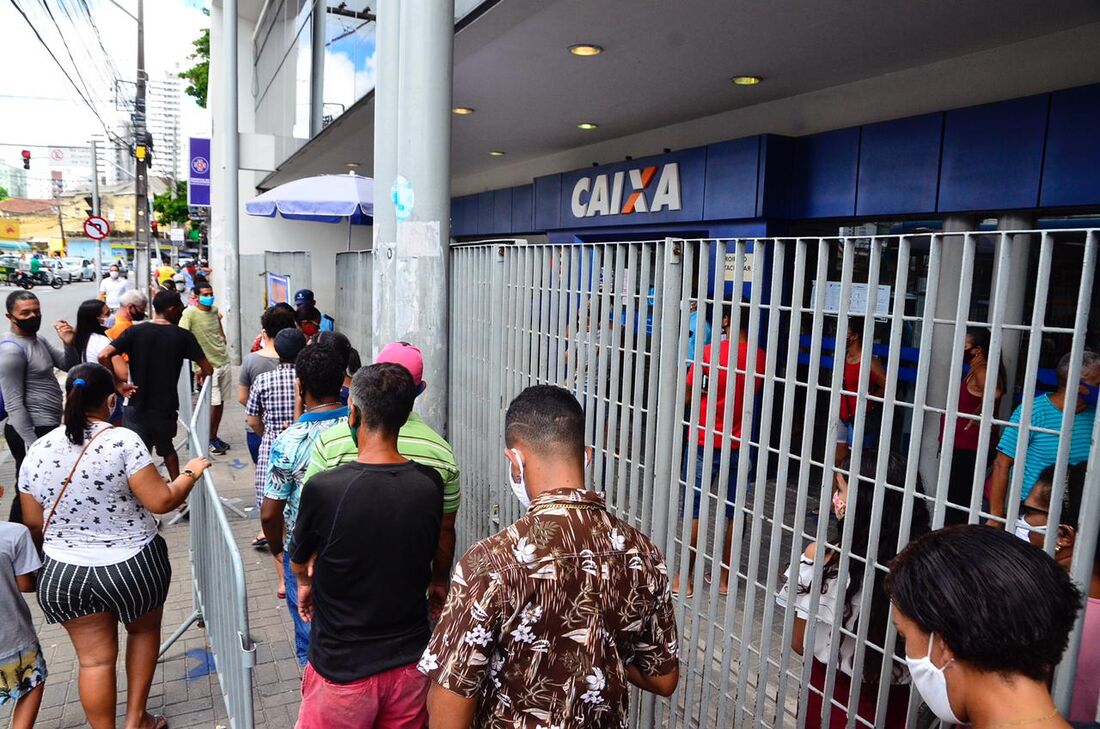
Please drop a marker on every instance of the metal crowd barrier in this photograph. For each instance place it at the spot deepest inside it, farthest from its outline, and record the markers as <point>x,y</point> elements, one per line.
<point>612,322</point>
<point>218,582</point>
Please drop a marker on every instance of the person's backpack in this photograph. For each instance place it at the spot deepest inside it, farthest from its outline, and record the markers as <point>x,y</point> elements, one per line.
<point>4,410</point>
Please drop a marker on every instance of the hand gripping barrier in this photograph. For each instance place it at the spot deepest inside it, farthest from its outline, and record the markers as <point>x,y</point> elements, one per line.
<point>217,579</point>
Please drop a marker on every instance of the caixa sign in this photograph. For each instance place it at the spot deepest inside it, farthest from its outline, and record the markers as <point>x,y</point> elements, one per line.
<point>661,189</point>
<point>628,191</point>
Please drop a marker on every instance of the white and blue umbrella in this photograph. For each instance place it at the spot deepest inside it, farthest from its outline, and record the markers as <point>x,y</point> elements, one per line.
<point>321,199</point>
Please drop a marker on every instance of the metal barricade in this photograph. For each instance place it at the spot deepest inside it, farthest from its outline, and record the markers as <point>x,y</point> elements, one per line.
<point>624,327</point>
<point>218,581</point>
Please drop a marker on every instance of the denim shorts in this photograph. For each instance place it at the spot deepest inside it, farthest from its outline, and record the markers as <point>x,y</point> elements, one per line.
<point>716,461</point>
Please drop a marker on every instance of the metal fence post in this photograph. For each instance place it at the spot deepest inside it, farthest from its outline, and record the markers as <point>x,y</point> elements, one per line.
<point>669,402</point>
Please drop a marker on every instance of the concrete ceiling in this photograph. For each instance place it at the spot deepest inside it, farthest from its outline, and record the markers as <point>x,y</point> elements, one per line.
<point>667,63</point>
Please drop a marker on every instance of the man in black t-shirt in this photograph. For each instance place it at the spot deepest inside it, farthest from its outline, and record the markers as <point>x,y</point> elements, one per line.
<point>372,527</point>
<point>156,351</point>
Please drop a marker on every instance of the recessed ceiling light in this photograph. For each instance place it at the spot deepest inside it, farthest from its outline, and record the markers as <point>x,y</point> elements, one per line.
<point>496,153</point>
<point>586,49</point>
<point>746,80</point>
<point>462,110</point>
<point>587,126</point>
<point>352,165</point>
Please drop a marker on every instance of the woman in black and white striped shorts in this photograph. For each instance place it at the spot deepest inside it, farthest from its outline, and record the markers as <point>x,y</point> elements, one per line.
<point>88,490</point>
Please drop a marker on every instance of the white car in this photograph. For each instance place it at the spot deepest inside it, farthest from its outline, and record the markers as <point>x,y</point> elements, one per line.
<point>79,268</point>
<point>58,269</point>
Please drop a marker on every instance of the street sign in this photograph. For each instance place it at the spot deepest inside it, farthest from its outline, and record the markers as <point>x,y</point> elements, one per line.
<point>97,228</point>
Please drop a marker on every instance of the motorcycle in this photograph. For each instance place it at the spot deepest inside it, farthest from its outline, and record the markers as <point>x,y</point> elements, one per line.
<point>27,281</point>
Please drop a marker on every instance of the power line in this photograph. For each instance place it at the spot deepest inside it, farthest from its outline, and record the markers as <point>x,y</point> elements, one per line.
<point>61,66</point>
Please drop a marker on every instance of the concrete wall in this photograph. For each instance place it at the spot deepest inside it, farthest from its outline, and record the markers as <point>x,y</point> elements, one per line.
<point>353,299</point>
<point>260,151</point>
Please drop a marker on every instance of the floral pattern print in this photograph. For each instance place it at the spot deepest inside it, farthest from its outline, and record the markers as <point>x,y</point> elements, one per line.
<point>544,618</point>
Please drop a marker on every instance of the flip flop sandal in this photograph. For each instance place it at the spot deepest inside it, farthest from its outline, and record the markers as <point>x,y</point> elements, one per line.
<point>259,542</point>
<point>160,722</point>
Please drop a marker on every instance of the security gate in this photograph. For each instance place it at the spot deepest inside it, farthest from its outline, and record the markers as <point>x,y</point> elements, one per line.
<point>630,329</point>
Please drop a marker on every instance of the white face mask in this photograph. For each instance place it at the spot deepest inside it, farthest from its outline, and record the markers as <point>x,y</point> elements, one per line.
<point>931,683</point>
<point>1024,530</point>
<point>114,274</point>
<point>519,488</point>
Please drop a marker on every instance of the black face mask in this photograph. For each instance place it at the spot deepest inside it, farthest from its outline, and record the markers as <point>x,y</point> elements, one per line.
<point>137,316</point>
<point>30,325</point>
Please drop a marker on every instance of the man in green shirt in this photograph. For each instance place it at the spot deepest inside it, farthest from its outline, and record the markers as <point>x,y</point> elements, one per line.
<point>205,322</point>
<point>415,441</point>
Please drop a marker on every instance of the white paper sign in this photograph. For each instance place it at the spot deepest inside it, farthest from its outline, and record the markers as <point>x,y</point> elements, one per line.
<point>857,302</point>
<point>418,240</point>
<point>731,267</point>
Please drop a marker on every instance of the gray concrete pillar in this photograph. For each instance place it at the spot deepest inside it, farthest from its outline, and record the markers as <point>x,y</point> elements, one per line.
<point>317,68</point>
<point>939,373</point>
<point>413,196</point>
<point>1018,288</point>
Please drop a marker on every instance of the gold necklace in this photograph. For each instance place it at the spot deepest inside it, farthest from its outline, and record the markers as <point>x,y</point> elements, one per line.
<point>1022,722</point>
<point>578,507</point>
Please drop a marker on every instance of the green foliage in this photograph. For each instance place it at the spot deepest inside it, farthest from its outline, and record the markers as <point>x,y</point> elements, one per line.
<point>4,193</point>
<point>199,75</point>
<point>172,208</point>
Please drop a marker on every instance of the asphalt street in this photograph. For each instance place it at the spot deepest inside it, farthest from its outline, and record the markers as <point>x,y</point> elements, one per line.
<point>57,304</point>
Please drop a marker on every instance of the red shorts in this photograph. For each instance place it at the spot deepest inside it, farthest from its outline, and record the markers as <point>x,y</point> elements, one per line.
<point>394,699</point>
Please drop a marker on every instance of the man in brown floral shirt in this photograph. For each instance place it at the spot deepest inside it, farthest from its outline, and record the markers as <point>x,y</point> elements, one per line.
<point>548,621</point>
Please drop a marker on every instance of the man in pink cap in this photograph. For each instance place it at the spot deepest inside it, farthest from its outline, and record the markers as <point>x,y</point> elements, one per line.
<point>417,442</point>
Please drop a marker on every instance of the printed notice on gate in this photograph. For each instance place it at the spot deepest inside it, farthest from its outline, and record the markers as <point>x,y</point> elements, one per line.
<point>857,301</point>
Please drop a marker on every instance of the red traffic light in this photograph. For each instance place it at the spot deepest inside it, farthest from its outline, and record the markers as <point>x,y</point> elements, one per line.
<point>26,159</point>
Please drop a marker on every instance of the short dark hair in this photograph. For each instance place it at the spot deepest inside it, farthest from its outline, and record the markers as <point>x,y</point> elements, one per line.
<point>164,300</point>
<point>275,319</point>
<point>1073,496</point>
<point>16,296</point>
<point>855,326</point>
<point>201,284</point>
<point>308,312</point>
<point>1001,604</point>
<point>320,370</point>
<point>337,342</point>
<point>383,394</point>
<point>548,419</point>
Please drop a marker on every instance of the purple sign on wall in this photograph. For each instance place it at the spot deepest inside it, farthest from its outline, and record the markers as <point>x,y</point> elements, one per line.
<point>198,173</point>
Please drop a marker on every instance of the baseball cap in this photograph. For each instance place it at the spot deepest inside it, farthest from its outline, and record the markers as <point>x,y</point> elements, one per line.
<point>288,343</point>
<point>303,296</point>
<point>405,354</point>
<point>179,277</point>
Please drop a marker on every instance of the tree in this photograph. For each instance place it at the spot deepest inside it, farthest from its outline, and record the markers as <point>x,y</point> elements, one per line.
<point>199,74</point>
<point>4,193</point>
<point>172,208</point>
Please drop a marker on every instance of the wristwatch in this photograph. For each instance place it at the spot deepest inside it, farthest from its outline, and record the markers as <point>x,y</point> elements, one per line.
<point>191,474</point>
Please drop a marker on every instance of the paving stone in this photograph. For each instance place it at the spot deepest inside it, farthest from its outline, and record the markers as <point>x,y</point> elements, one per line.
<point>198,702</point>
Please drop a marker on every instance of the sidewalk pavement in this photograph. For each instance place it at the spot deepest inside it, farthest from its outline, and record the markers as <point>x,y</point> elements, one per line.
<point>185,688</point>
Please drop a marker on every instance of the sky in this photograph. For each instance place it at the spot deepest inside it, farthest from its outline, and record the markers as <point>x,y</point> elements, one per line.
<point>38,105</point>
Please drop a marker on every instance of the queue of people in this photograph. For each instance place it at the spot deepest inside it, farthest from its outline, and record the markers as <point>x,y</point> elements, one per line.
<point>555,618</point>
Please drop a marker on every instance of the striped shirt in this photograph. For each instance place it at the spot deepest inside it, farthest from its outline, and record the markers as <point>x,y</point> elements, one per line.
<point>416,441</point>
<point>1042,448</point>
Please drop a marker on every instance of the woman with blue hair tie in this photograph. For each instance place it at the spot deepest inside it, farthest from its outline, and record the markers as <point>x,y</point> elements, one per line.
<point>89,491</point>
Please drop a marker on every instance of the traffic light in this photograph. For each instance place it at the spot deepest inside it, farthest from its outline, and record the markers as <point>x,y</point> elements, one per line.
<point>26,159</point>
<point>88,201</point>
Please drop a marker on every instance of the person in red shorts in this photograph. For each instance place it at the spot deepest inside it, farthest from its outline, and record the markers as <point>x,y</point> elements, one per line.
<point>370,529</point>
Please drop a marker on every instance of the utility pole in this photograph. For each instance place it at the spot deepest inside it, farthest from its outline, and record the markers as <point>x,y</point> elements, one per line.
<point>413,237</point>
<point>141,153</point>
<point>232,162</point>
<point>95,211</point>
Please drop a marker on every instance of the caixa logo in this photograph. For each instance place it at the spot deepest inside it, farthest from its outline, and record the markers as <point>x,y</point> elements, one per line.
<point>645,190</point>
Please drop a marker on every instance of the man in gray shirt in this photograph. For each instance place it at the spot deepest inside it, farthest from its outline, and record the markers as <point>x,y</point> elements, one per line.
<point>32,396</point>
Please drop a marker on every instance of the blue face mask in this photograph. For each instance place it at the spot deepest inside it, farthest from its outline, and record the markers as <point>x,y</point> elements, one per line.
<point>1092,395</point>
<point>206,300</point>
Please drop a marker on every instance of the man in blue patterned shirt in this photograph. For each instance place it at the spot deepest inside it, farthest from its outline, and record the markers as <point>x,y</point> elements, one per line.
<point>320,373</point>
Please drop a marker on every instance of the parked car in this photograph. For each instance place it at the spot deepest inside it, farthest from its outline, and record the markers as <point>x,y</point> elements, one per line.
<point>58,269</point>
<point>80,269</point>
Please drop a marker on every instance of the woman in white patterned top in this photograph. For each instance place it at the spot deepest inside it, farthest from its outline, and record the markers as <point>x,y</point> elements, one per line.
<point>87,490</point>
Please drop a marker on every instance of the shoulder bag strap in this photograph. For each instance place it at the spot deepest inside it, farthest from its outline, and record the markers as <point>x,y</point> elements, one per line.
<point>69,478</point>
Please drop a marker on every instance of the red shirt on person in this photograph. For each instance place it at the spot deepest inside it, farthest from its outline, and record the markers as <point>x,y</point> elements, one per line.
<point>719,390</point>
